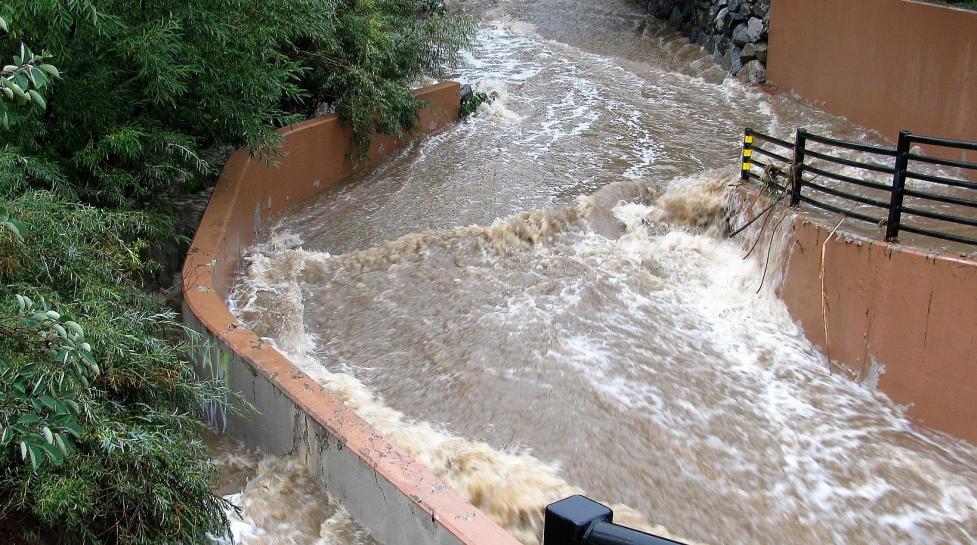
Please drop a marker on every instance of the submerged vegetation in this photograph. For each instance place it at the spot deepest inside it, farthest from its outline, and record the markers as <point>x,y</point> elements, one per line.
<point>107,110</point>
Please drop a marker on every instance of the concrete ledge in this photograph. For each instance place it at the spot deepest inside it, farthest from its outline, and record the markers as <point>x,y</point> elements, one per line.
<point>389,493</point>
<point>898,318</point>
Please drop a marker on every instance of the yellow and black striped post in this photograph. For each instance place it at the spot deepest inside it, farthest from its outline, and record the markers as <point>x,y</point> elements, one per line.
<point>747,153</point>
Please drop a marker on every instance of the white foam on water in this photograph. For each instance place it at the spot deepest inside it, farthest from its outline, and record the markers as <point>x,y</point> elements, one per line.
<point>613,344</point>
<point>281,504</point>
<point>815,447</point>
<point>511,486</point>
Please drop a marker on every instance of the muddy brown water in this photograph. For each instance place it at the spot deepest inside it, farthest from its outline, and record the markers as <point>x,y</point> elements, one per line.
<point>539,302</point>
<point>278,502</point>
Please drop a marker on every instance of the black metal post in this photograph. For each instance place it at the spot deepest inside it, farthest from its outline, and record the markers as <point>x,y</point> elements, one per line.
<point>898,186</point>
<point>578,520</point>
<point>747,153</point>
<point>797,167</point>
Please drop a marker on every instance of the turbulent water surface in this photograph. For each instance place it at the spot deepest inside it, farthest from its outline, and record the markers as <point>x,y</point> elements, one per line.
<point>277,501</point>
<point>538,302</point>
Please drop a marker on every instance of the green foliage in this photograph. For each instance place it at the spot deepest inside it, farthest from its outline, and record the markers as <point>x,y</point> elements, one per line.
<point>105,405</point>
<point>472,101</point>
<point>379,47</point>
<point>21,81</point>
<point>11,225</point>
<point>40,404</point>
<point>100,414</point>
<point>966,4</point>
<point>146,87</point>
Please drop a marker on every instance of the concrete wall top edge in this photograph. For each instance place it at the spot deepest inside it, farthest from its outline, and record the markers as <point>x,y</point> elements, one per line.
<point>968,260</point>
<point>248,192</point>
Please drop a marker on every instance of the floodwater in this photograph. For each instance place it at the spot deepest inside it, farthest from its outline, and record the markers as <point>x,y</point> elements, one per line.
<point>277,501</point>
<point>540,302</point>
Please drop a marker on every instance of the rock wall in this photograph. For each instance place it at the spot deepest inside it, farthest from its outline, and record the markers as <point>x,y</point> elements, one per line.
<point>734,31</point>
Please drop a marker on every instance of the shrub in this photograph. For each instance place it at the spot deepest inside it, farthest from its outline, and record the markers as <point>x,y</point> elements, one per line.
<point>100,415</point>
<point>379,48</point>
<point>147,87</point>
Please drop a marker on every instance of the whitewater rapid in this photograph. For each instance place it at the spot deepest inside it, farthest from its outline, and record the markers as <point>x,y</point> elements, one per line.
<point>541,302</point>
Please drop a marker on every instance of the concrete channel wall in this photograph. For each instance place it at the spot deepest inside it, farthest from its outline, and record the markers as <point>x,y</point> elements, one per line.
<point>889,65</point>
<point>889,316</point>
<point>390,494</point>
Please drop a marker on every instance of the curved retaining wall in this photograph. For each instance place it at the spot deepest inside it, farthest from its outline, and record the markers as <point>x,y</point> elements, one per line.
<point>898,318</point>
<point>392,495</point>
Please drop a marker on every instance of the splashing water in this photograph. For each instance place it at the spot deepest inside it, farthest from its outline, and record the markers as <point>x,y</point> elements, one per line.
<point>526,343</point>
<point>278,502</point>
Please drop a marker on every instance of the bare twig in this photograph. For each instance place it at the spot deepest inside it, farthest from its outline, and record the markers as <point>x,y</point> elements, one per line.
<point>766,262</point>
<point>824,294</point>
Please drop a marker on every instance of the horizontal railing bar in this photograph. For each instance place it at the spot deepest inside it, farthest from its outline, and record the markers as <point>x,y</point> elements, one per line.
<point>902,156</point>
<point>943,162</point>
<point>938,216</point>
<point>849,179</point>
<point>935,234</point>
<point>844,195</point>
<point>848,162</point>
<point>941,180</point>
<point>933,141</point>
<point>772,140</point>
<point>891,152</point>
<point>942,198</point>
<point>771,154</point>
<point>837,210</point>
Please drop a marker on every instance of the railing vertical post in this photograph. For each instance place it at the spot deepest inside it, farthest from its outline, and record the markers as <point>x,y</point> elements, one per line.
<point>898,187</point>
<point>797,167</point>
<point>747,153</point>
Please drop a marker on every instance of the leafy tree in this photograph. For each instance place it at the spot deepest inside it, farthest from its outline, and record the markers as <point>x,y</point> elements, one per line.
<point>21,81</point>
<point>380,47</point>
<point>148,86</point>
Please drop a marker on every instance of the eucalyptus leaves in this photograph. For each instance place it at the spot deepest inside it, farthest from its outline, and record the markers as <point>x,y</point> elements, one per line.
<point>21,81</point>
<point>40,398</point>
<point>11,225</point>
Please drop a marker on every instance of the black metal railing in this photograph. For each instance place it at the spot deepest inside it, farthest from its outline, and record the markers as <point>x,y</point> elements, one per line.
<point>578,520</point>
<point>794,160</point>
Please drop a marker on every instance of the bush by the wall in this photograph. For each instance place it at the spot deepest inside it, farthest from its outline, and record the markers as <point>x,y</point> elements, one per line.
<point>147,86</point>
<point>99,408</point>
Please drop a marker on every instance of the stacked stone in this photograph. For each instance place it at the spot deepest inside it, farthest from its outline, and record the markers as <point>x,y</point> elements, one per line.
<point>734,31</point>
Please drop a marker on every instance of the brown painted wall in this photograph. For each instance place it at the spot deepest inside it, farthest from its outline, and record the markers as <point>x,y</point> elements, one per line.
<point>889,65</point>
<point>393,495</point>
<point>315,156</point>
<point>913,312</point>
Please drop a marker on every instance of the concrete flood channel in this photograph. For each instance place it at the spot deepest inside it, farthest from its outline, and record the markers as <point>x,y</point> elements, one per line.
<point>538,302</point>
